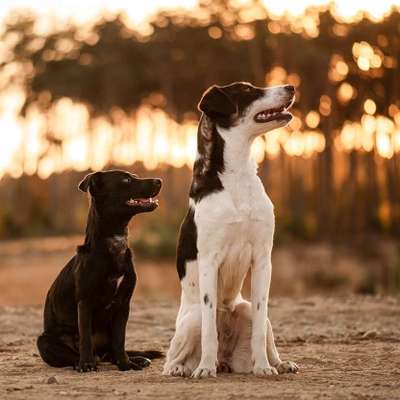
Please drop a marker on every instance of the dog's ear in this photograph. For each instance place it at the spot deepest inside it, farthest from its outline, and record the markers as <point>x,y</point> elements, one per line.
<point>216,103</point>
<point>91,183</point>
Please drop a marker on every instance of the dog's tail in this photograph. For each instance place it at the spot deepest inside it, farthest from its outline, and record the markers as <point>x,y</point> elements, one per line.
<point>150,354</point>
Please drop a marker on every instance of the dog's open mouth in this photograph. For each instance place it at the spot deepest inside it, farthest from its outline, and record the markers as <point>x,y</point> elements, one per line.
<point>279,113</point>
<point>143,202</point>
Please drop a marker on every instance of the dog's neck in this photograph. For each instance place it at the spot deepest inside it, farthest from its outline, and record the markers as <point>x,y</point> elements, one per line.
<point>237,153</point>
<point>222,154</point>
<point>100,229</point>
<point>223,151</point>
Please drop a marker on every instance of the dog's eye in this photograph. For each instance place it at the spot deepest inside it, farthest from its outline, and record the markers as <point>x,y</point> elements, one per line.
<point>127,180</point>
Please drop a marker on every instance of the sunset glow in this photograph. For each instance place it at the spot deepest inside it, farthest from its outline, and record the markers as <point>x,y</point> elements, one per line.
<point>82,12</point>
<point>67,137</point>
<point>153,139</point>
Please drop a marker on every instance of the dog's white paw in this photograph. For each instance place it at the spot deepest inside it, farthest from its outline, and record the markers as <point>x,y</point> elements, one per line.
<point>264,370</point>
<point>180,370</point>
<point>177,370</point>
<point>286,367</point>
<point>204,371</point>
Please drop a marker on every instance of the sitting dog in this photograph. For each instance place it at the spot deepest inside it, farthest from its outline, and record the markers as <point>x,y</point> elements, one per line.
<point>228,229</point>
<point>87,307</point>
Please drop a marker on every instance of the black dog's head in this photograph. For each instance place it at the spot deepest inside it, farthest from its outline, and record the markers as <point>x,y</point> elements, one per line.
<point>253,109</point>
<point>118,192</point>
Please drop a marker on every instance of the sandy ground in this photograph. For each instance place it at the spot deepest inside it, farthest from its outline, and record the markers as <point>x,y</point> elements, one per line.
<point>346,347</point>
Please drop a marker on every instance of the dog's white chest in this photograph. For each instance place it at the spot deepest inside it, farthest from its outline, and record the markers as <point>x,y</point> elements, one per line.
<point>248,197</point>
<point>243,199</point>
<point>117,246</point>
<point>119,281</point>
<point>235,263</point>
<point>235,225</point>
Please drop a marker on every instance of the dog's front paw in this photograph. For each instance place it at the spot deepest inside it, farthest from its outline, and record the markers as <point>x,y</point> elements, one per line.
<point>86,366</point>
<point>205,371</point>
<point>287,367</point>
<point>264,369</point>
<point>177,370</point>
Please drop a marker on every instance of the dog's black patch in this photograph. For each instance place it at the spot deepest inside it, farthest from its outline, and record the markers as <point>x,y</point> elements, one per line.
<point>209,163</point>
<point>225,105</point>
<point>87,307</point>
<point>205,299</point>
<point>187,243</point>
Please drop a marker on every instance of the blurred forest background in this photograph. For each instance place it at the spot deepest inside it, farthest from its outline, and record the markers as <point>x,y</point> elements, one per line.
<point>106,94</point>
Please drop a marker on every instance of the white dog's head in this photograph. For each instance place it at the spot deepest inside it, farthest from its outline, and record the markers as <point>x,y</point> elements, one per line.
<point>251,109</point>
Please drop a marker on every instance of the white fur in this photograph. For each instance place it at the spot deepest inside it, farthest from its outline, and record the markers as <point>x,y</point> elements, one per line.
<point>119,281</point>
<point>118,245</point>
<point>235,230</point>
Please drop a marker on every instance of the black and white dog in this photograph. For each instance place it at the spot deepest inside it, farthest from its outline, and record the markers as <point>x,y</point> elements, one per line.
<point>87,307</point>
<point>228,229</point>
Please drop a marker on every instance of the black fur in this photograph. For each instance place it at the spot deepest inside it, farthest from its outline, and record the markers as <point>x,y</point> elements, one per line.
<point>225,105</point>
<point>86,313</point>
<point>205,178</point>
<point>187,243</point>
<point>217,104</point>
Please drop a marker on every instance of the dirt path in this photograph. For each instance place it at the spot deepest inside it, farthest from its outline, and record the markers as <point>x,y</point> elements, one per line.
<point>347,348</point>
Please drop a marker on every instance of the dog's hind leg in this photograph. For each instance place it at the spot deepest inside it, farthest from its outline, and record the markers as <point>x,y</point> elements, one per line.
<point>240,360</point>
<point>241,355</point>
<point>273,355</point>
<point>185,349</point>
<point>55,352</point>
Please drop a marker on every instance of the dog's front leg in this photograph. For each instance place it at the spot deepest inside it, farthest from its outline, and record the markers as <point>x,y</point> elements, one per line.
<point>208,275</point>
<point>118,332</point>
<point>260,283</point>
<point>118,328</point>
<point>87,361</point>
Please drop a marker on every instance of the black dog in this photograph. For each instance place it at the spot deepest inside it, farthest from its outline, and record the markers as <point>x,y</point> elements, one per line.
<point>87,307</point>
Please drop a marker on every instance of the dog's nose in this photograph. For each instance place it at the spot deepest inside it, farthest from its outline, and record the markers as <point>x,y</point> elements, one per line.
<point>290,88</point>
